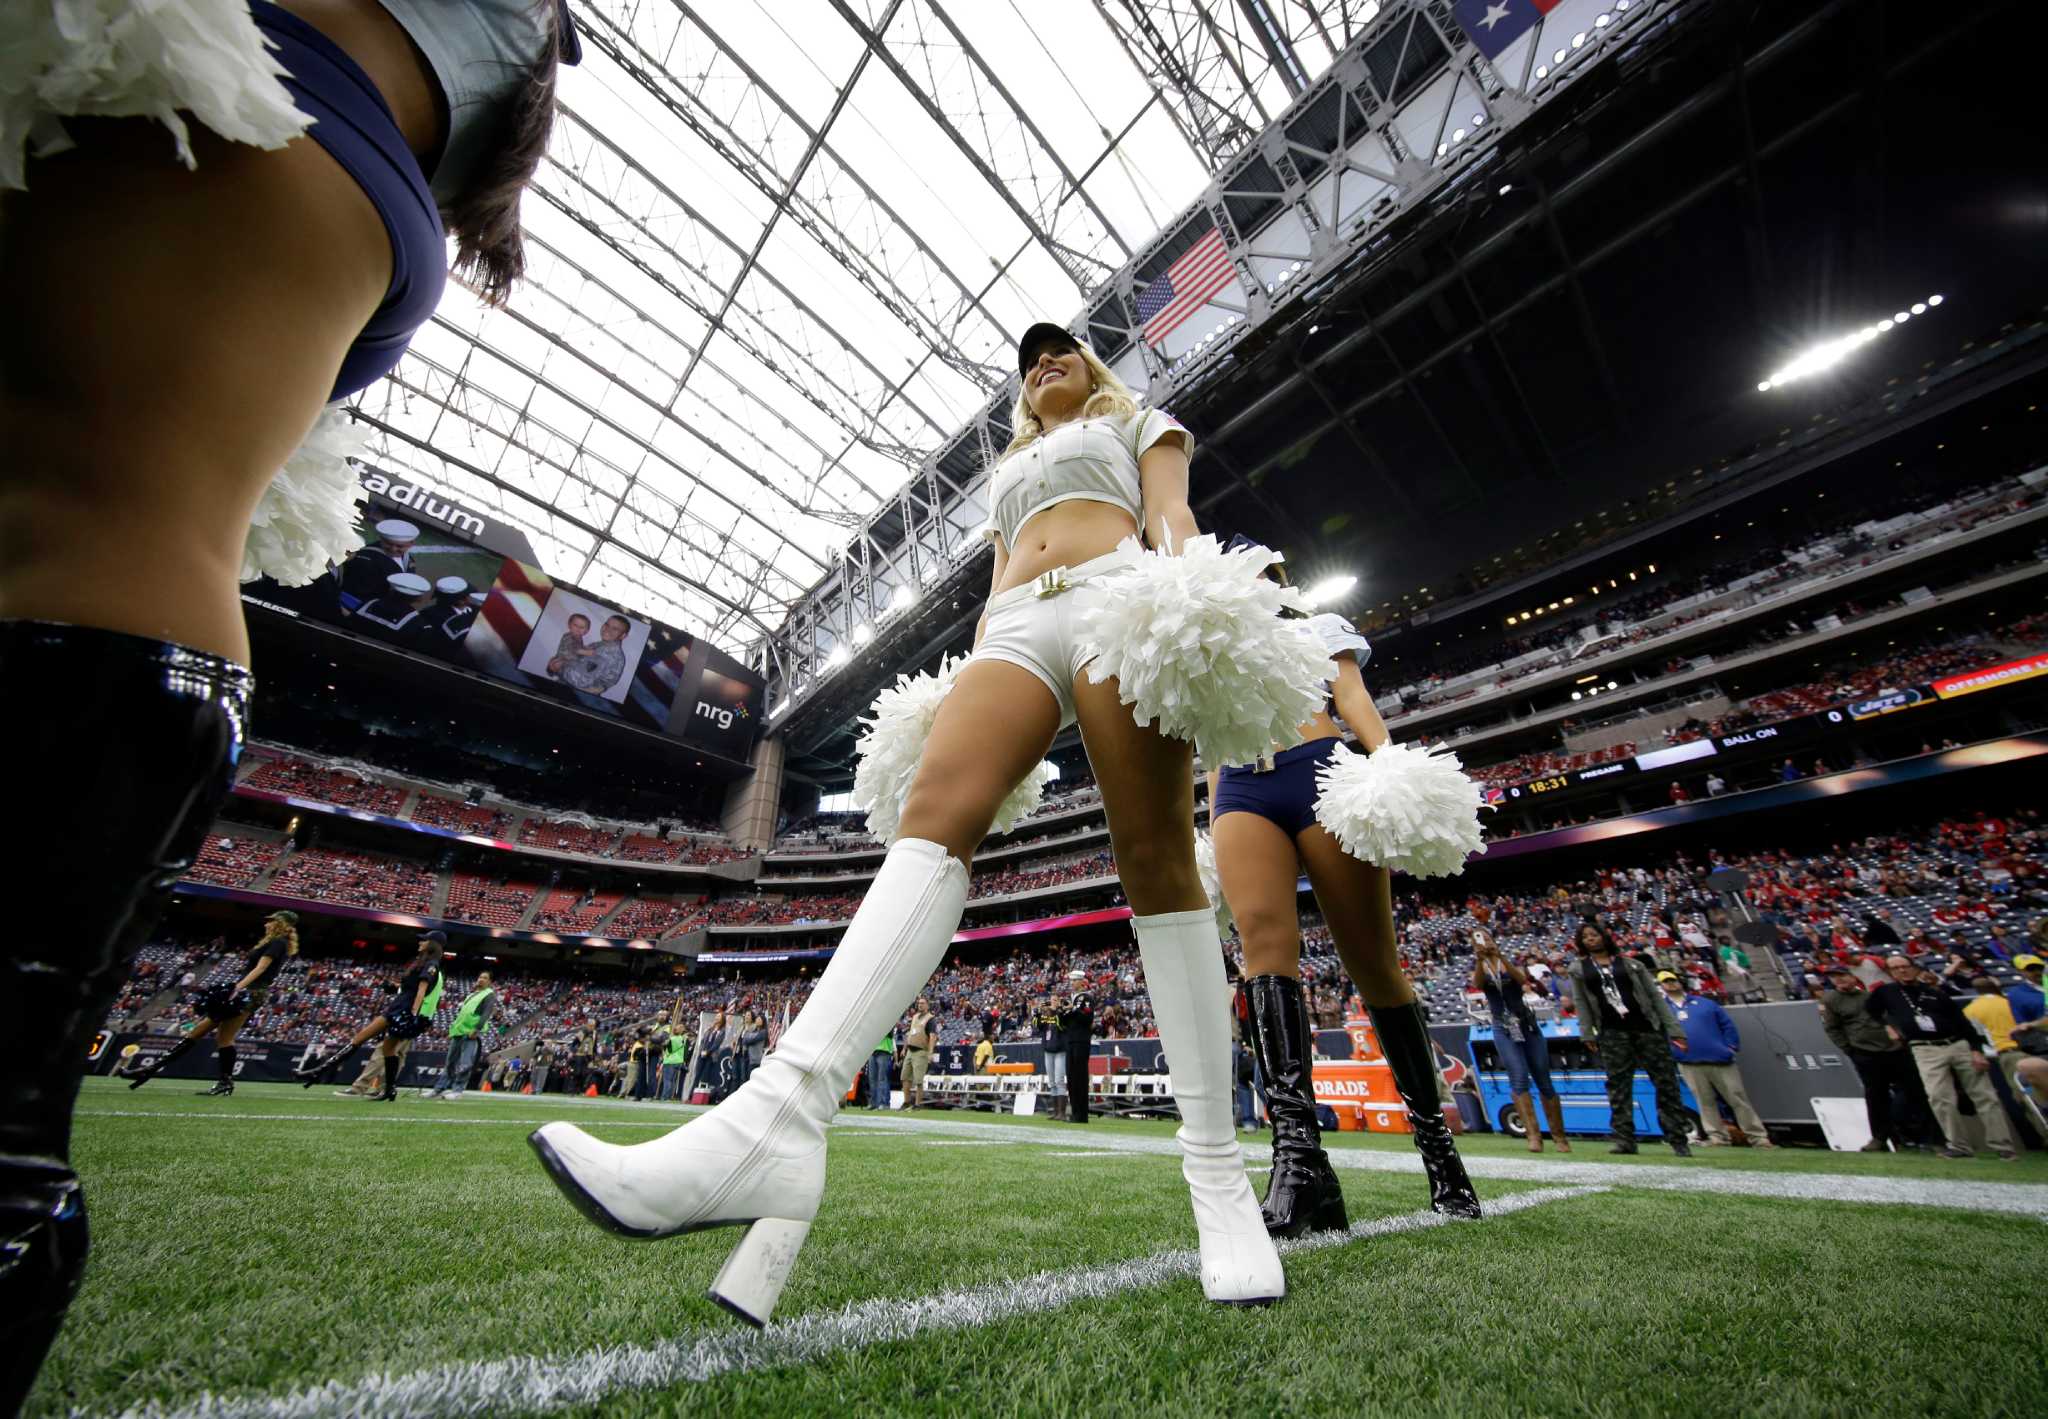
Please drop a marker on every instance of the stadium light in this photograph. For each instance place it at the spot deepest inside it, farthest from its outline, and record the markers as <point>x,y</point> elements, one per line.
<point>1830,353</point>
<point>903,598</point>
<point>837,658</point>
<point>776,713</point>
<point>863,633</point>
<point>1329,589</point>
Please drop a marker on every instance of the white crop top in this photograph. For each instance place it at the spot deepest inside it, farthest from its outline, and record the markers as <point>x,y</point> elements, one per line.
<point>1091,459</point>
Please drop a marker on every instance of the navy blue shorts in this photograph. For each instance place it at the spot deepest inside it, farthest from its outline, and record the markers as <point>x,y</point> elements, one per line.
<point>405,1025</point>
<point>1284,796</point>
<point>354,124</point>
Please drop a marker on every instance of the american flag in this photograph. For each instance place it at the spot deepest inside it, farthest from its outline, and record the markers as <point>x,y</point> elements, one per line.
<point>1202,271</point>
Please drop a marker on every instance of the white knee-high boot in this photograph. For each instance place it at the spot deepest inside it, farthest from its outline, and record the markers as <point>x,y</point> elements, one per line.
<point>1183,958</point>
<point>758,1159</point>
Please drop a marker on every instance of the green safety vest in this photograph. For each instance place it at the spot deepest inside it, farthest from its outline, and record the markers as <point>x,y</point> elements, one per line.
<point>888,1044</point>
<point>468,1020</point>
<point>678,1050</point>
<point>433,1000</point>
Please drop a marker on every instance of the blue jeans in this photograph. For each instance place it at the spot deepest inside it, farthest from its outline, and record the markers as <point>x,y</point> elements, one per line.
<point>1247,1107</point>
<point>1525,1060</point>
<point>878,1080</point>
<point>671,1081</point>
<point>461,1059</point>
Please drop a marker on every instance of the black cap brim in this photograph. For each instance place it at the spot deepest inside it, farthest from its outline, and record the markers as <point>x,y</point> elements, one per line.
<point>1036,338</point>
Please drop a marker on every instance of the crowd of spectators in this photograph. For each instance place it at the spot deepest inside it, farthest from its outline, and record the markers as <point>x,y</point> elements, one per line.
<point>479,819</point>
<point>1086,868</point>
<point>1619,618</point>
<point>229,859</point>
<point>1844,681</point>
<point>354,878</point>
<point>301,778</point>
<point>1965,896</point>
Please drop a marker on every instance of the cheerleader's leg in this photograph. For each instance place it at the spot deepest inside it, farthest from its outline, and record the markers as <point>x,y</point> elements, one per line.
<point>1357,901</point>
<point>1258,866</point>
<point>1148,794</point>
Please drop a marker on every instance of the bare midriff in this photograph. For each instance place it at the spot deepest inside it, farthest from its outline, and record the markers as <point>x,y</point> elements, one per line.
<point>1321,727</point>
<point>1065,535</point>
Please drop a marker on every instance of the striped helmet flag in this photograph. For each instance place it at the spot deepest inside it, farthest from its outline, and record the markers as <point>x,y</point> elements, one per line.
<point>1202,270</point>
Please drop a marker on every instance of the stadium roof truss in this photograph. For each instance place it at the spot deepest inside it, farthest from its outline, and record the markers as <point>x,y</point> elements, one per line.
<point>777,255</point>
<point>1319,126</point>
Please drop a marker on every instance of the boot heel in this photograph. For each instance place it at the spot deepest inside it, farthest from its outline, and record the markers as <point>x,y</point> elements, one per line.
<point>752,1278</point>
<point>1330,1217</point>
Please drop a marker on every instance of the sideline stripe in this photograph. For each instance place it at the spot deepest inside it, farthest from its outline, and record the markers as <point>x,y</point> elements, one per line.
<point>528,1383</point>
<point>2012,1199</point>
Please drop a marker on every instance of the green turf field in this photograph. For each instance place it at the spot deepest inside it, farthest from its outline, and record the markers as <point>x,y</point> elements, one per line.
<point>412,1258</point>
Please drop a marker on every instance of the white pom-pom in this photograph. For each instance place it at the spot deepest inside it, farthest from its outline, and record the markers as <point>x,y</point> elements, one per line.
<point>306,518</point>
<point>899,723</point>
<point>892,745</point>
<point>1406,808</point>
<point>1197,643</point>
<point>137,59</point>
<point>1024,798</point>
<point>1212,881</point>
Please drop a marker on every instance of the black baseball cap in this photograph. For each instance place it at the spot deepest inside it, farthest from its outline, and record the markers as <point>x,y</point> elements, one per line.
<point>1036,338</point>
<point>439,938</point>
<point>287,917</point>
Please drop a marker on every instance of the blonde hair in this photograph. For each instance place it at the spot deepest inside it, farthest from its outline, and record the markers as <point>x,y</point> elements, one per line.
<point>1111,396</point>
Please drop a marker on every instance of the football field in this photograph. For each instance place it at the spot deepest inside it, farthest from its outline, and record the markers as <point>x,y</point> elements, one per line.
<point>284,1252</point>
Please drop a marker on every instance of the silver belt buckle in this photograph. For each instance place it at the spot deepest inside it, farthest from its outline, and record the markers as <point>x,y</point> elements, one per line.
<point>1051,583</point>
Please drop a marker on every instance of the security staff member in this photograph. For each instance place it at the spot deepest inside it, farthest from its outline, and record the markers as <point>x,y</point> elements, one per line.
<point>363,575</point>
<point>1077,1027</point>
<point>395,616</point>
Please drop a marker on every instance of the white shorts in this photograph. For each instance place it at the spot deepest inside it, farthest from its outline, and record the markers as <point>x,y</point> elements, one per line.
<point>1035,626</point>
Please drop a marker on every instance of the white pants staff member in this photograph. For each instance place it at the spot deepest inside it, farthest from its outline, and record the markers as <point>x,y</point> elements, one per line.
<point>1086,470</point>
<point>1946,1051</point>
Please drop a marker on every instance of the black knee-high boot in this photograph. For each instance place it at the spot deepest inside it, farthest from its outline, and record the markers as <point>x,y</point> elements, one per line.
<point>138,1077</point>
<point>1403,1032</point>
<point>126,746</point>
<point>1303,1194</point>
<point>225,1062</point>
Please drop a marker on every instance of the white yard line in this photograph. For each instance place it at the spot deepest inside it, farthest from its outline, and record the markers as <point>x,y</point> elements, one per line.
<point>529,1383</point>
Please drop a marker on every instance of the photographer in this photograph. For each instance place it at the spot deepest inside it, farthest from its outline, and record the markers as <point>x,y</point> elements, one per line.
<point>917,1052</point>
<point>1052,1036</point>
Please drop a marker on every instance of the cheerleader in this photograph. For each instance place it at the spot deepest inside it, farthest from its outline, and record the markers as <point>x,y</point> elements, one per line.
<point>1263,819</point>
<point>1086,471</point>
<point>215,219</point>
<point>404,1018</point>
<point>224,1008</point>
